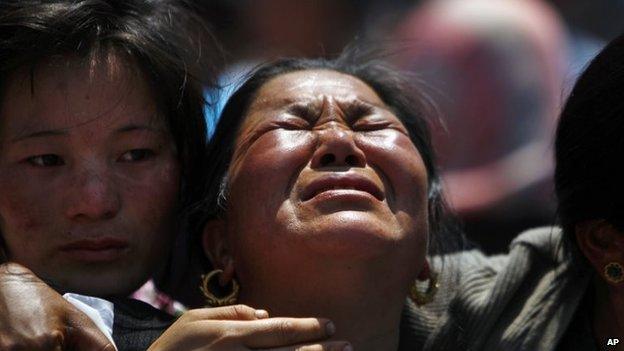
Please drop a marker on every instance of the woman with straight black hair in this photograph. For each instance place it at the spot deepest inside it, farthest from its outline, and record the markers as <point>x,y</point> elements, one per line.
<point>101,135</point>
<point>568,282</point>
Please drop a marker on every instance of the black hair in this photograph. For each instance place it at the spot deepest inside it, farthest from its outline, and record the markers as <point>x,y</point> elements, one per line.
<point>589,145</point>
<point>166,40</point>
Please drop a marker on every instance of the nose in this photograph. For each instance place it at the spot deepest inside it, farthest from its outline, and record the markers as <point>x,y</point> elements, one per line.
<point>93,197</point>
<point>336,148</point>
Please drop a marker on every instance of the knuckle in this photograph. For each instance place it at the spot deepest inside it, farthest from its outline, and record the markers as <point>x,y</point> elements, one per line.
<point>286,331</point>
<point>44,341</point>
<point>49,341</point>
<point>241,310</point>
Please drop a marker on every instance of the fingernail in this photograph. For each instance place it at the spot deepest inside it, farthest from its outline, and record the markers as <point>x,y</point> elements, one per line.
<point>261,314</point>
<point>330,328</point>
<point>347,347</point>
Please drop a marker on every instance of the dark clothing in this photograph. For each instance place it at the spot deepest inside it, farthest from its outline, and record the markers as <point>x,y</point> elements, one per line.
<point>137,324</point>
<point>579,335</point>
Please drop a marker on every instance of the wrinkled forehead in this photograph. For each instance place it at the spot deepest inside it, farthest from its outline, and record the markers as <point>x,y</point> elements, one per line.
<point>313,85</point>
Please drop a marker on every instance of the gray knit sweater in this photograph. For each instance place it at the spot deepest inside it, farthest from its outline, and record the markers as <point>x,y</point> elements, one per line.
<point>521,301</point>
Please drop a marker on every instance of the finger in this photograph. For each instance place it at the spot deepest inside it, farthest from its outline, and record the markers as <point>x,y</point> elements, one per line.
<point>37,343</point>
<point>274,332</point>
<point>89,339</point>
<point>324,346</point>
<point>83,335</point>
<point>234,312</point>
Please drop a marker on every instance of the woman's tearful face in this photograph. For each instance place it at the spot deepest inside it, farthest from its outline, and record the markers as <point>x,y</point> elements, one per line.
<point>323,167</point>
<point>89,175</point>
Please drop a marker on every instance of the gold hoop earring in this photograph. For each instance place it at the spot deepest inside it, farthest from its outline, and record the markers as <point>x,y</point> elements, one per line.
<point>614,272</point>
<point>213,300</point>
<point>423,298</point>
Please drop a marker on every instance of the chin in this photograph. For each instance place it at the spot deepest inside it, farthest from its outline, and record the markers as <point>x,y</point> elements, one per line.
<point>102,282</point>
<point>355,235</point>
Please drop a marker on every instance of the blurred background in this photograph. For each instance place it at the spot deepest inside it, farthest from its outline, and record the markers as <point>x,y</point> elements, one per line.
<point>499,71</point>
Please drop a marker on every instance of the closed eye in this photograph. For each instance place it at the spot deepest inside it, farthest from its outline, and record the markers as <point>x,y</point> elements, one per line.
<point>371,124</point>
<point>46,160</point>
<point>293,123</point>
<point>136,155</point>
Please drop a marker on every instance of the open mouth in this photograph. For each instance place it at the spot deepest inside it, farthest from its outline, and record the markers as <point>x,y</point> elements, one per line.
<point>339,182</point>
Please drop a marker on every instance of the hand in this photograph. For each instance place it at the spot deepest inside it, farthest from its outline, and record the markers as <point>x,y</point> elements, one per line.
<point>241,327</point>
<point>35,317</point>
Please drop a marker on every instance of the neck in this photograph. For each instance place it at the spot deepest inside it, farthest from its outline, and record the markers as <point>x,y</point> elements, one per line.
<point>365,304</point>
<point>608,318</point>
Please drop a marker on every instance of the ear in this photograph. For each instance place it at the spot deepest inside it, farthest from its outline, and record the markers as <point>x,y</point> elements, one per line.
<point>601,243</point>
<point>215,244</point>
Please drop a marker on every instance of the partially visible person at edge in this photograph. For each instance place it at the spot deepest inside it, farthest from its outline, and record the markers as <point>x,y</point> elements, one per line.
<point>563,286</point>
<point>590,192</point>
<point>102,136</point>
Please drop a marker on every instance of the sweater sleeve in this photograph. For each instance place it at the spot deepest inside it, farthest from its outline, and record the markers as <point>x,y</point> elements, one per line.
<point>520,301</point>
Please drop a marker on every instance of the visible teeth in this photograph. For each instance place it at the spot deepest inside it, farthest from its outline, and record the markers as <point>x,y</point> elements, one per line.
<point>342,188</point>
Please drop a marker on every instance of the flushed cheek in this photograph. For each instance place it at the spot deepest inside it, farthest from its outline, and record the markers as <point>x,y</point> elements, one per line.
<point>269,167</point>
<point>276,148</point>
<point>398,159</point>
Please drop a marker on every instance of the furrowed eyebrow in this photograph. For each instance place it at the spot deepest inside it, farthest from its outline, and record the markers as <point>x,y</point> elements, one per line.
<point>309,111</point>
<point>356,109</point>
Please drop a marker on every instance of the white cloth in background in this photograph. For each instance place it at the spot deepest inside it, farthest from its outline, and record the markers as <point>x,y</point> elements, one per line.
<point>99,310</point>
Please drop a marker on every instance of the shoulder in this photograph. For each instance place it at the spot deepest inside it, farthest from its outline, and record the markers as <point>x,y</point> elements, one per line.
<point>544,242</point>
<point>532,253</point>
<point>522,300</point>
